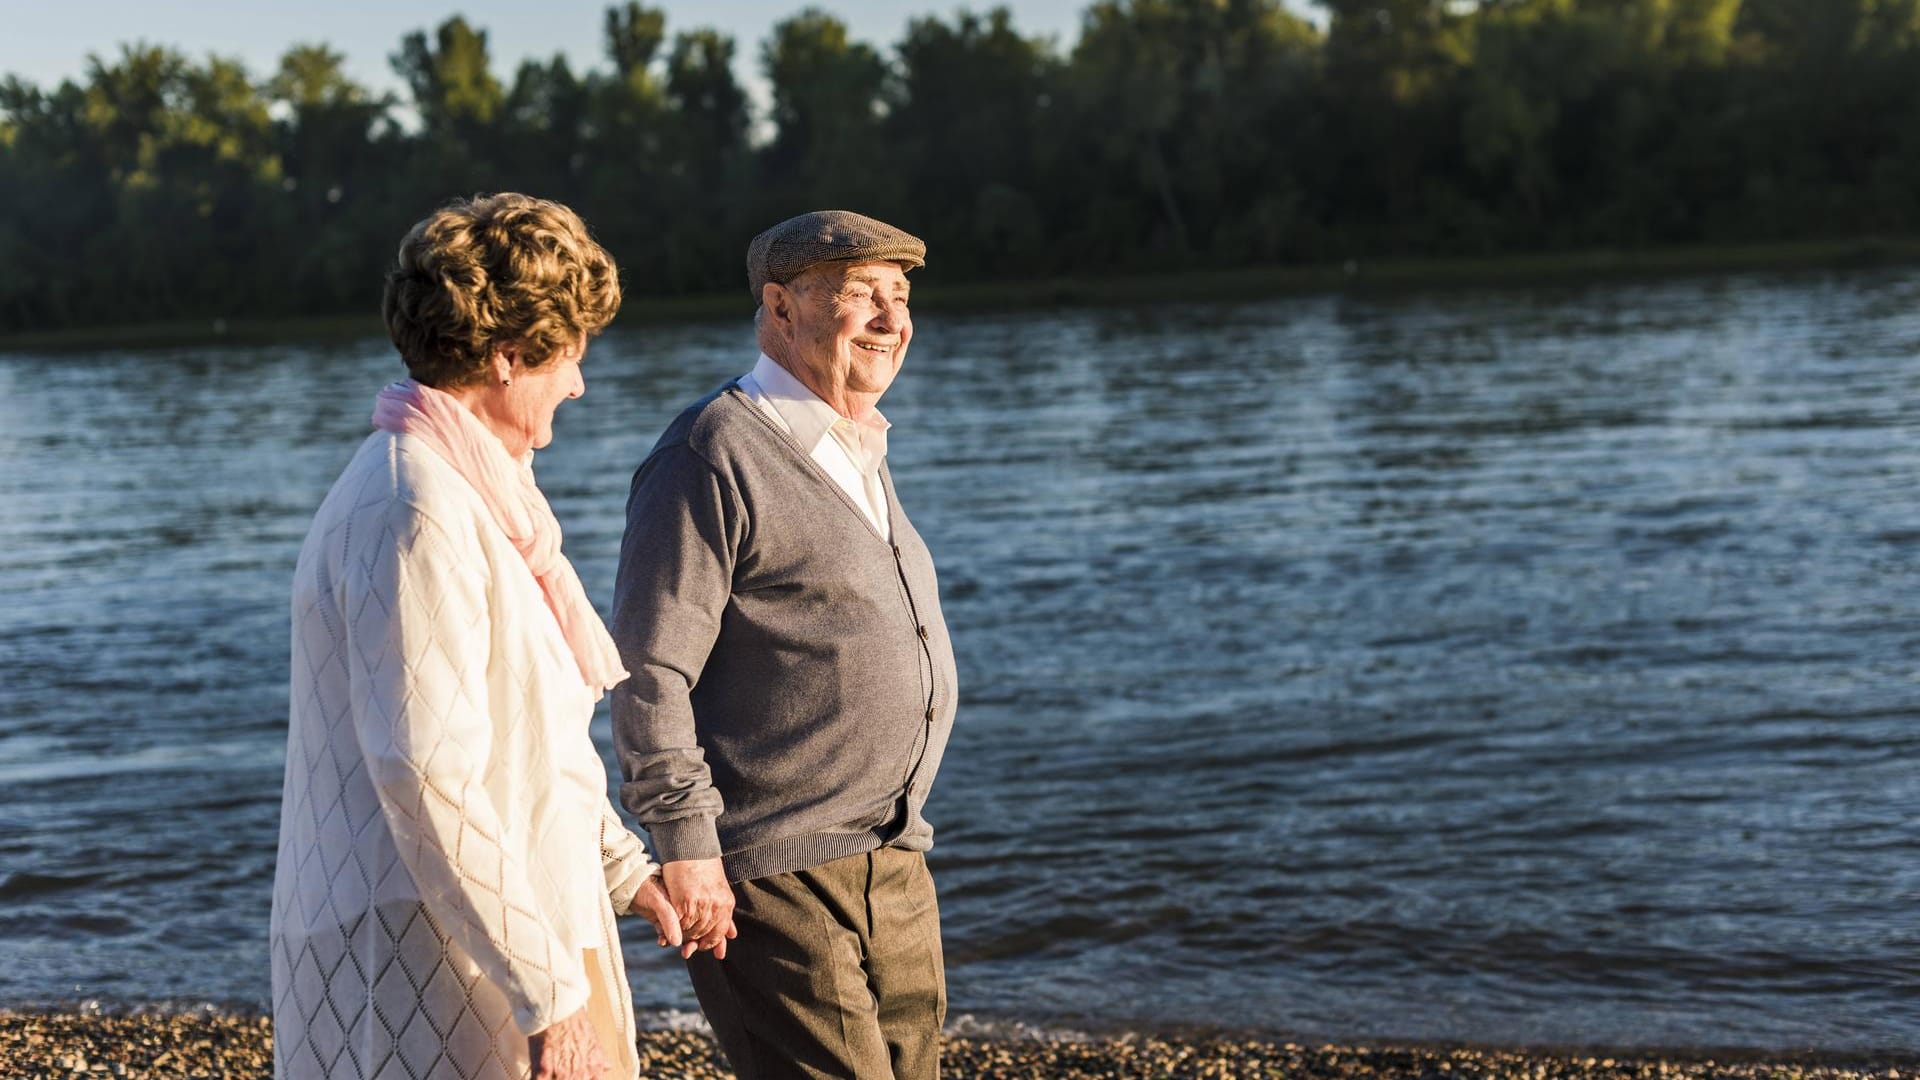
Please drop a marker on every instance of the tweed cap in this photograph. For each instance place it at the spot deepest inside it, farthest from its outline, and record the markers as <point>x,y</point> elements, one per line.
<point>782,252</point>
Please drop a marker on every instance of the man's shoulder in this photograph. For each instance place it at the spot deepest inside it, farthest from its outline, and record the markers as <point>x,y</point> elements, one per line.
<point>714,427</point>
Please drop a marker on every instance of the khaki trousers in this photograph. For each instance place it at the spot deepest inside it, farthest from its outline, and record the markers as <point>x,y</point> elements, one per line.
<point>837,973</point>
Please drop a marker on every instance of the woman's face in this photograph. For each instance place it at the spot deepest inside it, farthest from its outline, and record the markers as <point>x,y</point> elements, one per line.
<point>520,409</point>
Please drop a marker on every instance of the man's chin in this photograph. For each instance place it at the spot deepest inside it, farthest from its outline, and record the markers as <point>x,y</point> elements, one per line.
<point>875,378</point>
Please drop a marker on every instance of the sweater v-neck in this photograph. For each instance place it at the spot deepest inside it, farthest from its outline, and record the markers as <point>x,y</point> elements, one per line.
<point>734,390</point>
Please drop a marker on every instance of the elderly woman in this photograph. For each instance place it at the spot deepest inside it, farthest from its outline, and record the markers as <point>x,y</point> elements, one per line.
<point>449,866</point>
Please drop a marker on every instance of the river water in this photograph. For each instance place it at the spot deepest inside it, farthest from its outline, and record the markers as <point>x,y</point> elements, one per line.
<point>1518,667</point>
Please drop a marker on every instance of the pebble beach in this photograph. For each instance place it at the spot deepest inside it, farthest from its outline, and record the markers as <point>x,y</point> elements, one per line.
<point>69,1046</point>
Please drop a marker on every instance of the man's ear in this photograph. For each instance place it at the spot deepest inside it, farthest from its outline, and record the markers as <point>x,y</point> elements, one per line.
<point>779,301</point>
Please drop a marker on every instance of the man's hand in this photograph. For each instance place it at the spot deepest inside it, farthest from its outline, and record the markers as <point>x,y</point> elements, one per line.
<point>652,903</point>
<point>716,941</point>
<point>699,891</point>
<point>568,1050</point>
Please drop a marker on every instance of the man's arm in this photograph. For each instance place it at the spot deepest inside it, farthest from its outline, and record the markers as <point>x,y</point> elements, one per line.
<point>684,525</point>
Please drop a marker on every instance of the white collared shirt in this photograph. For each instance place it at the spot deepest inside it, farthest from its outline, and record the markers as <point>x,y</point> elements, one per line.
<point>851,451</point>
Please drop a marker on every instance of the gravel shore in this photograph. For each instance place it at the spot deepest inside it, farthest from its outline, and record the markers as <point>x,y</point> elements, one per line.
<point>36,1046</point>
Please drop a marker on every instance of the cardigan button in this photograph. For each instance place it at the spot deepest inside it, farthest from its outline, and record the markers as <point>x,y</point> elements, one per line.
<point>929,714</point>
<point>924,635</point>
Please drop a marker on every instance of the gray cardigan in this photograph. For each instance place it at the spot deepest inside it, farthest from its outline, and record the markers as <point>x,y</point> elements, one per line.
<point>793,683</point>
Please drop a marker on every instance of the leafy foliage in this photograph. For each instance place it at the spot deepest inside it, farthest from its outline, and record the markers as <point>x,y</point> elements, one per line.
<point>1172,133</point>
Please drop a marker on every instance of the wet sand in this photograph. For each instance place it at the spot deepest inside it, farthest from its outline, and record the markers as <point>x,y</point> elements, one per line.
<point>34,1046</point>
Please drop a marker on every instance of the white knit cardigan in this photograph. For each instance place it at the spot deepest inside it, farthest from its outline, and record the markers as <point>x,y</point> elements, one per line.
<point>446,846</point>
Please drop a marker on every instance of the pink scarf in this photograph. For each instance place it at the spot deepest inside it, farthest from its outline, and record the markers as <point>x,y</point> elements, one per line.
<point>517,506</point>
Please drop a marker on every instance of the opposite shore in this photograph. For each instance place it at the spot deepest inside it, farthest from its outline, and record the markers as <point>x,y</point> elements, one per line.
<point>238,1046</point>
<point>1381,276</point>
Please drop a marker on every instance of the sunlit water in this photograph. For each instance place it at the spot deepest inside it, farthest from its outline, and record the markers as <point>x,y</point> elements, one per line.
<point>1502,667</point>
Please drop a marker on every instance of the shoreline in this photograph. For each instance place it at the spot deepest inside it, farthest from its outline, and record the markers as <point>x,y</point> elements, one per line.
<point>1360,277</point>
<point>135,1044</point>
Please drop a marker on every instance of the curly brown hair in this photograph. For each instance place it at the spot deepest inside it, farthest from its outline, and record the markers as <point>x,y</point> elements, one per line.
<point>495,270</point>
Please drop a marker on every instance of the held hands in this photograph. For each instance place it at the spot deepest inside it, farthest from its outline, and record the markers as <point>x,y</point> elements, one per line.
<point>699,892</point>
<point>652,903</point>
<point>690,906</point>
<point>568,1050</point>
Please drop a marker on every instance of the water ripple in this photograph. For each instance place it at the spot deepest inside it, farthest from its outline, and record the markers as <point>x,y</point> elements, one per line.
<point>1496,666</point>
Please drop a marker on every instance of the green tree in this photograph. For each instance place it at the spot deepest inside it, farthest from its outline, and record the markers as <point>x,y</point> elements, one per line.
<point>1535,61</point>
<point>186,155</point>
<point>1179,113</point>
<point>53,174</point>
<point>336,140</point>
<point>627,178</point>
<point>965,120</point>
<point>633,101</point>
<point>451,78</point>
<point>312,76</point>
<point>1174,132</point>
<point>127,105</point>
<point>634,35</point>
<point>329,119</point>
<point>465,142</point>
<point>1399,50</point>
<point>1391,95</point>
<point>1833,29</point>
<point>827,93</point>
<point>546,113</point>
<point>709,101</point>
<point>1834,134</point>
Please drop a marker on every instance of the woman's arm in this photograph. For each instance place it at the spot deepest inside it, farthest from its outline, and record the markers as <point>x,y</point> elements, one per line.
<point>624,860</point>
<point>633,880</point>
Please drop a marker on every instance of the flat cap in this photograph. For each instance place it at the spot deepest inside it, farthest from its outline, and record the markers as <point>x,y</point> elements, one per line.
<point>782,252</point>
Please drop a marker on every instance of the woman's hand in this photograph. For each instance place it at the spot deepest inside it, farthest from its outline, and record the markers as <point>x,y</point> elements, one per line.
<point>652,903</point>
<point>568,1050</point>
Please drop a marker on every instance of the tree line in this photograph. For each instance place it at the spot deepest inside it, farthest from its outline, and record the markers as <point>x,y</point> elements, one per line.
<point>1170,134</point>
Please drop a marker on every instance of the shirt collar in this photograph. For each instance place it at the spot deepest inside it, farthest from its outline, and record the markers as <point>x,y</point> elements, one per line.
<point>809,418</point>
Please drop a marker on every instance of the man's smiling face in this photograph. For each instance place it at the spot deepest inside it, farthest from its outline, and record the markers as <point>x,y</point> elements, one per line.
<point>852,325</point>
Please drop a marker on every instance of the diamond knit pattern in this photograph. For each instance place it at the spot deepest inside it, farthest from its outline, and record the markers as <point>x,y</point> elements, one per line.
<point>446,847</point>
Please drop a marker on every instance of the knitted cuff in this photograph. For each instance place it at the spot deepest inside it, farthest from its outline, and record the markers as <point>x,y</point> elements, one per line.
<point>685,838</point>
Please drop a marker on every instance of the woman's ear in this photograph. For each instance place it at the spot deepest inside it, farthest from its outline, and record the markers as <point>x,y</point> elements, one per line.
<point>505,358</point>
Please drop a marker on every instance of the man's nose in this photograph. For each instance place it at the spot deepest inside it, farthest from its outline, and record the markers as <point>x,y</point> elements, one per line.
<point>886,319</point>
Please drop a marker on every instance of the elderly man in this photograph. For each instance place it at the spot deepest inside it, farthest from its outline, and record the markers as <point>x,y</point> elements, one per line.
<point>793,684</point>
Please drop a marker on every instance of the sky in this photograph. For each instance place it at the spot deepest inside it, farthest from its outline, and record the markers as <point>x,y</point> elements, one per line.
<point>44,41</point>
